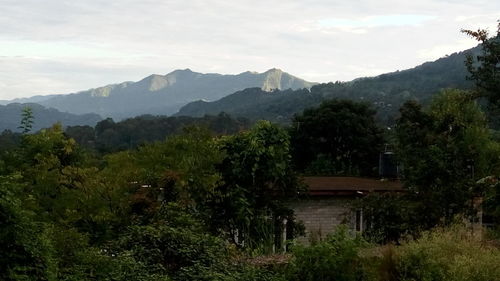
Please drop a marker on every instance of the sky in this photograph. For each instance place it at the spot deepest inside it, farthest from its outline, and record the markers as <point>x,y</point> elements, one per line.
<point>59,46</point>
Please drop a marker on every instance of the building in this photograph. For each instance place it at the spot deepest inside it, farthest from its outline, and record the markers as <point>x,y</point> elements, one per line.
<point>328,203</point>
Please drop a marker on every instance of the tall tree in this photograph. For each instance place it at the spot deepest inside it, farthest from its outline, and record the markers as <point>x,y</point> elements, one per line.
<point>26,249</point>
<point>484,68</point>
<point>339,137</point>
<point>257,176</point>
<point>26,120</point>
<point>444,150</point>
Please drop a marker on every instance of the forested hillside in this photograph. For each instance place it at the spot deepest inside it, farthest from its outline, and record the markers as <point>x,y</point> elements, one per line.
<point>253,103</point>
<point>108,136</point>
<point>386,93</point>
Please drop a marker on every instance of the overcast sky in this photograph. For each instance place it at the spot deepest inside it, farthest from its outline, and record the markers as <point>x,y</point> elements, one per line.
<point>56,47</point>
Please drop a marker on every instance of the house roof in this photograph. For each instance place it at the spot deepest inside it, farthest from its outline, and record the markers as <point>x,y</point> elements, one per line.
<point>350,185</point>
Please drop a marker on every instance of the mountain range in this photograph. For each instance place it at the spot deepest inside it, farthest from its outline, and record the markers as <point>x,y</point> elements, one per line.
<point>273,95</point>
<point>164,94</point>
<point>386,92</point>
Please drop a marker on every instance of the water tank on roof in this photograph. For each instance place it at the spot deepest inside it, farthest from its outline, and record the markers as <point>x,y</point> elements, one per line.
<point>388,166</point>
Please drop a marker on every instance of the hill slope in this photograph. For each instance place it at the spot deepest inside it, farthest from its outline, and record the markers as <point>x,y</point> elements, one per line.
<point>165,94</point>
<point>254,103</point>
<point>10,117</point>
<point>387,92</point>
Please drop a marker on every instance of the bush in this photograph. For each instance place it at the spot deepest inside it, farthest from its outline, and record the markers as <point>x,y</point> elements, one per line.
<point>452,254</point>
<point>337,258</point>
<point>97,264</point>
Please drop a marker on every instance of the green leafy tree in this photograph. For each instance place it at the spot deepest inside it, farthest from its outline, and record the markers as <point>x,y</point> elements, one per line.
<point>491,204</point>
<point>27,252</point>
<point>176,244</point>
<point>443,151</point>
<point>388,217</point>
<point>46,161</point>
<point>26,120</point>
<point>484,68</point>
<point>336,258</point>
<point>257,176</point>
<point>133,185</point>
<point>339,137</point>
<point>133,132</point>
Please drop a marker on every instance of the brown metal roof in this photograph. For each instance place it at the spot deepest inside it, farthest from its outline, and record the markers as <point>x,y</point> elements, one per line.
<point>350,185</point>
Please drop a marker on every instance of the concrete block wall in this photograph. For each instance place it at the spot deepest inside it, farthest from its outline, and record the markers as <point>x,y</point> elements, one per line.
<point>321,216</point>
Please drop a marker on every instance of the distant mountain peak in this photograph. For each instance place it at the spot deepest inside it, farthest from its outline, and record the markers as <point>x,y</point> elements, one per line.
<point>277,79</point>
<point>274,70</point>
<point>165,94</point>
<point>181,71</point>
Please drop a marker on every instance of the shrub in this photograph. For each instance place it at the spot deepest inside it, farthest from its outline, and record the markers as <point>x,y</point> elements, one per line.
<point>337,258</point>
<point>452,254</point>
<point>97,264</point>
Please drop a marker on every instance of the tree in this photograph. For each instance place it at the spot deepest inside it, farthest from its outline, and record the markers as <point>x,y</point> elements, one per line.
<point>388,216</point>
<point>175,244</point>
<point>27,120</point>
<point>257,176</point>
<point>484,69</point>
<point>46,161</point>
<point>339,137</point>
<point>27,253</point>
<point>444,150</point>
<point>336,258</point>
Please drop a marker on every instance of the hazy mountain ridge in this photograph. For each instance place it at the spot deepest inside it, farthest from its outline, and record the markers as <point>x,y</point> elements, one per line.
<point>386,92</point>
<point>10,117</point>
<point>165,94</point>
<point>33,99</point>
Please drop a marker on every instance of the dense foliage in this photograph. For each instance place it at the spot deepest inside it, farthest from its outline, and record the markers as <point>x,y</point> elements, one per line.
<point>452,254</point>
<point>109,136</point>
<point>335,258</point>
<point>337,138</point>
<point>200,207</point>
<point>159,212</point>
<point>258,177</point>
<point>445,151</point>
<point>442,254</point>
<point>484,68</point>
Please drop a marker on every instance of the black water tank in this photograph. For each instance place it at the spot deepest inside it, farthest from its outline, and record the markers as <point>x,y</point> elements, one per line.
<point>388,166</point>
